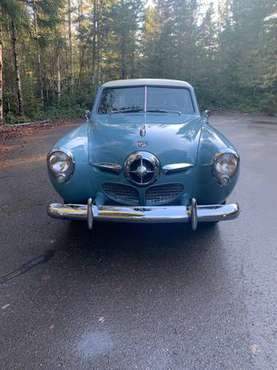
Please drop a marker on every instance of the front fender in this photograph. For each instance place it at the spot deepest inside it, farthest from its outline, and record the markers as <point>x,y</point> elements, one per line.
<point>212,142</point>
<point>81,185</point>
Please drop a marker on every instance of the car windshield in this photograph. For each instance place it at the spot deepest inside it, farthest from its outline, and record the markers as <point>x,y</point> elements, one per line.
<point>158,100</point>
<point>122,100</point>
<point>169,100</point>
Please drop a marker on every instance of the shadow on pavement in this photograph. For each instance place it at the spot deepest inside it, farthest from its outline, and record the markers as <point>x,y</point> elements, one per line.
<point>110,243</point>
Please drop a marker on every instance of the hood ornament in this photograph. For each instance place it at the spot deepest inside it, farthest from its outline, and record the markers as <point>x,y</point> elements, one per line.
<point>142,131</point>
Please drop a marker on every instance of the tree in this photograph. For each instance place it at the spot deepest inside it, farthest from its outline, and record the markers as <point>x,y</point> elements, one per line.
<point>16,68</point>
<point>165,43</point>
<point>150,38</point>
<point>70,45</point>
<point>126,16</point>
<point>17,18</point>
<point>268,57</point>
<point>62,50</point>
<point>38,46</point>
<point>207,59</point>
<point>1,77</point>
<point>46,23</point>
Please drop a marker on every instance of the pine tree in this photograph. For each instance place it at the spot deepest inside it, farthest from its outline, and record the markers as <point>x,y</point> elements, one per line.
<point>56,53</point>
<point>126,16</point>
<point>150,61</point>
<point>1,73</point>
<point>16,18</point>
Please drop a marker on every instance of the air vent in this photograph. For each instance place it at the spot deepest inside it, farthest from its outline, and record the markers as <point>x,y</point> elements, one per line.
<point>163,194</point>
<point>123,194</point>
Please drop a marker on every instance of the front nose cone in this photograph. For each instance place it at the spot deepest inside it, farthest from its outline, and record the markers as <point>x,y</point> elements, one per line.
<point>142,171</point>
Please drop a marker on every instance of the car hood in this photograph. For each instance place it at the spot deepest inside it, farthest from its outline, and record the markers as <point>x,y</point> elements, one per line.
<point>172,138</point>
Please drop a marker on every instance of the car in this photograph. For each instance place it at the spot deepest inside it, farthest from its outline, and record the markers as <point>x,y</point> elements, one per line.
<point>145,154</point>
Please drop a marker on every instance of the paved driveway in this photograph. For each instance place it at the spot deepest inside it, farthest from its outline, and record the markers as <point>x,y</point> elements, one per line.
<point>139,297</point>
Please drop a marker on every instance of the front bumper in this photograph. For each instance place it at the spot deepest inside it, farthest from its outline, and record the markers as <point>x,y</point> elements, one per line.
<point>162,214</point>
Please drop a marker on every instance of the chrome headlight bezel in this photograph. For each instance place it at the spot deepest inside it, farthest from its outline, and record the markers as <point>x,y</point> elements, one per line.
<point>62,175</point>
<point>224,175</point>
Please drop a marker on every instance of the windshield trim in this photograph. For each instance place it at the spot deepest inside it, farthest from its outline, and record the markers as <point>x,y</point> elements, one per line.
<point>146,96</point>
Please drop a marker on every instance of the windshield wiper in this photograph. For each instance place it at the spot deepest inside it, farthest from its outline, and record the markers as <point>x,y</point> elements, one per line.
<point>163,111</point>
<point>127,110</point>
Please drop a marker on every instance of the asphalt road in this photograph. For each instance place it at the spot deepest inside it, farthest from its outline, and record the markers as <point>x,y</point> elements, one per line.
<point>134,296</point>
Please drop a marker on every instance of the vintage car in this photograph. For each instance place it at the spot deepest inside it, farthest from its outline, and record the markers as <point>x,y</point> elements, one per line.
<point>145,154</point>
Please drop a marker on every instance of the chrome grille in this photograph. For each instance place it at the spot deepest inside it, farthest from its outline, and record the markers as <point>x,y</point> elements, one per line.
<point>121,193</point>
<point>163,194</point>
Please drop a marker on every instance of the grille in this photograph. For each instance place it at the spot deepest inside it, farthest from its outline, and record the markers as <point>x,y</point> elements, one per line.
<point>163,194</point>
<point>121,193</point>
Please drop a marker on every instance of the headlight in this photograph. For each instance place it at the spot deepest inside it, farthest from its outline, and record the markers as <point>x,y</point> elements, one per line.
<point>60,165</point>
<point>225,166</point>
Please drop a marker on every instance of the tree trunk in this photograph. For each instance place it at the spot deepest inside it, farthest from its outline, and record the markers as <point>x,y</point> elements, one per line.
<point>81,46</point>
<point>70,45</point>
<point>94,39</point>
<point>1,80</point>
<point>81,64</point>
<point>17,72</point>
<point>98,29</point>
<point>39,71</point>
<point>123,72</point>
<point>41,89</point>
<point>59,79</point>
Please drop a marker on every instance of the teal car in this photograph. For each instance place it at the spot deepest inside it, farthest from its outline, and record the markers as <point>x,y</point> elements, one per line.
<point>145,154</point>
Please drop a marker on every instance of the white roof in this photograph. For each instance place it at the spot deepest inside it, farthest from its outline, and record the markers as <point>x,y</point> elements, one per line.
<point>147,82</point>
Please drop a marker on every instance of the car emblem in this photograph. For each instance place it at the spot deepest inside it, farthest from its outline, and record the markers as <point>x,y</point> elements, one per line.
<point>142,168</point>
<point>142,144</point>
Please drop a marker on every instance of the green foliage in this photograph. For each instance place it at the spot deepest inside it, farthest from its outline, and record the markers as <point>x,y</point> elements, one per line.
<point>229,54</point>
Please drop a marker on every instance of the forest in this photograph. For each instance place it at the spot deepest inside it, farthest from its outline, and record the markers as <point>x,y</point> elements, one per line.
<point>54,53</point>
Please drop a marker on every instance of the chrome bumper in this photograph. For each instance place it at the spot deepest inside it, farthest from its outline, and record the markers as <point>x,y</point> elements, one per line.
<point>167,214</point>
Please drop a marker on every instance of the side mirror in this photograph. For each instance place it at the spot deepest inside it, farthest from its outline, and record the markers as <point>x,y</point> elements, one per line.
<point>87,115</point>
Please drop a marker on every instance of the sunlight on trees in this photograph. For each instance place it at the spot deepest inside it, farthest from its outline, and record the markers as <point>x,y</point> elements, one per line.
<point>56,53</point>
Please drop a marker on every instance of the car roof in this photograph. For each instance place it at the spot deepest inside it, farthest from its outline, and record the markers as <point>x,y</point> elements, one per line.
<point>147,82</point>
